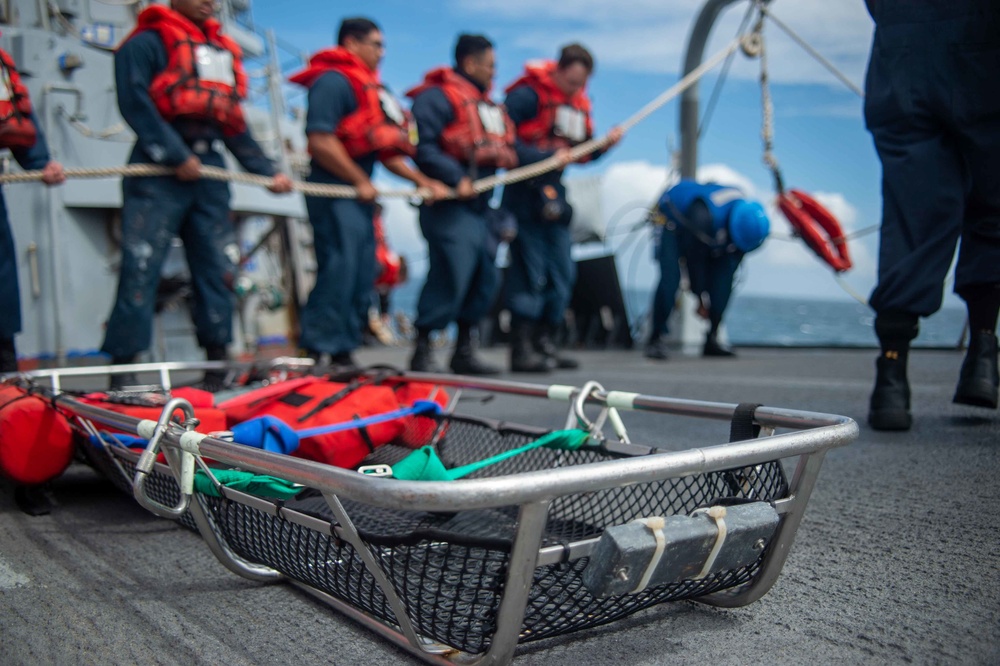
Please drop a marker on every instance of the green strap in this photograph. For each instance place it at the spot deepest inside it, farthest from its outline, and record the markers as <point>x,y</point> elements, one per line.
<point>425,465</point>
<point>248,482</point>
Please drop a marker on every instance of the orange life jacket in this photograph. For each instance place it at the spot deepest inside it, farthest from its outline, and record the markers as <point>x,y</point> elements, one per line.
<point>204,77</point>
<point>481,133</point>
<point>16,128</point>
<point>379,125</point>
<point>389,263</point>
<point>561,122</point>
<point>323,402</point>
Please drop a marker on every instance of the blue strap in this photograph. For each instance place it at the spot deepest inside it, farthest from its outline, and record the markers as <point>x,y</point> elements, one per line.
<point>129,441</point>
<point>420,407</point>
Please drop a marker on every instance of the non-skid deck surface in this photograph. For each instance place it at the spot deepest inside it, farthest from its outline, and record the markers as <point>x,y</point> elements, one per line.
<point>895,561</point>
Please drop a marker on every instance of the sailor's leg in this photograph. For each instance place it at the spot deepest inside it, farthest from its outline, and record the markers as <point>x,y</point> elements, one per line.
<point>344,240</point>
<point>10,296</point>
<point>151,216</point>
<point>213,256</point>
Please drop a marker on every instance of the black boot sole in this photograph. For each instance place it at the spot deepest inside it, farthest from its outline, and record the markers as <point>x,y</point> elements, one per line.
<point>889,419</point>
<point>539,369</point>
<point>976,394</point>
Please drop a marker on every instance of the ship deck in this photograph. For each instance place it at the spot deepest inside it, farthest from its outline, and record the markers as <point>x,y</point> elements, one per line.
<point>896,560</point>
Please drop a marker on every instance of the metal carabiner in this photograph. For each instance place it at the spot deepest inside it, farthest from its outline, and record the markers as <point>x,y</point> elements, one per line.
<point>592,427</point>
<point>148,459</point>
<point>596,427</point>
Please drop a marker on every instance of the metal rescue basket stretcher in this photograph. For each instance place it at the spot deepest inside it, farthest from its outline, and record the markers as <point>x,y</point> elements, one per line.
<point>539,544</point>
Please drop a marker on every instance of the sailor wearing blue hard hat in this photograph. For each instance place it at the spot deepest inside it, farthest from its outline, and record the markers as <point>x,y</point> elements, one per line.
<point>711,227</point>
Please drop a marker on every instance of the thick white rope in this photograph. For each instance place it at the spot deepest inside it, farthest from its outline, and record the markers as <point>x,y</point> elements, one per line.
<point>348,192</point>
<point>755,45</point>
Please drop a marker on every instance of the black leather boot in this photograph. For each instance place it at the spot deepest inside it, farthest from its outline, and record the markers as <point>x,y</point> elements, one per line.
<point>656,349</point>
<point>344,361</point>
<point>423,358</point>
<point>8,356</point>
<point>889,408</point>
<point>215,380</point>
<point>715,348</point>
<point>122,380</point>
<point>464,361</point>
<point>544,344</point>
<point>522,353</point>
<point>979,378</point>
<point>32,500</point>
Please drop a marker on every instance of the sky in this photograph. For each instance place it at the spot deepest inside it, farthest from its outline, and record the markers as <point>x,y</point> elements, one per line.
<point>819,134</point>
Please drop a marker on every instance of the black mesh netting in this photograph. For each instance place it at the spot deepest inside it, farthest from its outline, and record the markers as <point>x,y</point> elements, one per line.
<point>449,569</point>
<point>119,467</point>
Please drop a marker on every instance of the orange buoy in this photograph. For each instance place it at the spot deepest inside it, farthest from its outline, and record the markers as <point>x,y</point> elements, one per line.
<point>817,227</point>
<point>36,441</point>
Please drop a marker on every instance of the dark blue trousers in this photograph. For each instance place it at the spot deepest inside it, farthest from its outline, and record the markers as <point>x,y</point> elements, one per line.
<point>155,211</point>
<point>710,271</point>
<point>541,274</point>
<point>344,238</point>
<point>932,106</point>
<point>10,295</point>
<point>462,279</point>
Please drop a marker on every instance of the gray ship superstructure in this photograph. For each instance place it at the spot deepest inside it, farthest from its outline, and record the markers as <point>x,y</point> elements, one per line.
<point>67,237</point>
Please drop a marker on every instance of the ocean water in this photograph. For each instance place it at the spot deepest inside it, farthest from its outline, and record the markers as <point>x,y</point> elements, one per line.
<point>757,320</point>
<point>777,321</point>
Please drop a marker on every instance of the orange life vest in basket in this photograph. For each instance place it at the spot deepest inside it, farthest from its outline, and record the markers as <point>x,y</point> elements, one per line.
<point>561,122</point>
<point>481,132</point>
<point>322,402</point>
<point>818,228</point>
<point>211,419</point>
<point>379,125</point>
<point>16,128</point>
<point>36,441</point>
<point>204,77</point>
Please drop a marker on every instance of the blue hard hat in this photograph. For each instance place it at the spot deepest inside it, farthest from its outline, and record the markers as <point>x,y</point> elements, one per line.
<point>748,225</point>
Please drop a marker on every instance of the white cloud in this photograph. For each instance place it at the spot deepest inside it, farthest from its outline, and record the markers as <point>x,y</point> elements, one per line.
<point>784,266</point>
<point>651,35</point>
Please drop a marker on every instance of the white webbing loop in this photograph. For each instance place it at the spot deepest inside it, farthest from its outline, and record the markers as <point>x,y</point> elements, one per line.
<point>718,514</point>
<point>655,525</point>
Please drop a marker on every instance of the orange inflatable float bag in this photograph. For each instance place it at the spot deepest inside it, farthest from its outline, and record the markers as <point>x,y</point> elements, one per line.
<point>36,441</point>
<point>210,418</point>
<point>323,402</point>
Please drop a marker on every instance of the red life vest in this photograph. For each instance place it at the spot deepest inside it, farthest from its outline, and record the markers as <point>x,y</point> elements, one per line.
<point>388,262</point>
<point>379,124</point>
<point>16,128</point>
<point>561,121</point>
<point>204,77</point>
<point>322,402</point>
<point>481,132</point>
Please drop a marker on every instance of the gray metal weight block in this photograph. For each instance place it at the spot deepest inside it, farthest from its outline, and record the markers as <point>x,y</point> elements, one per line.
<point>623,556</point>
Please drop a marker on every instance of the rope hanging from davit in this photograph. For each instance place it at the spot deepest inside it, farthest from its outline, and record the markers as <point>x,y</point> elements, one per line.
<point>810,220</point>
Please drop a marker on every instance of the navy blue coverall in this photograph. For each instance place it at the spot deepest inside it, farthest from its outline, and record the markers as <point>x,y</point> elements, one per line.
<point>32,158</point>
<point>695,230</point>
<point>343,236</point>
<point>932,105</point>
<point>541,275</point>
<point>157,209</point>
<point>462,279</point>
